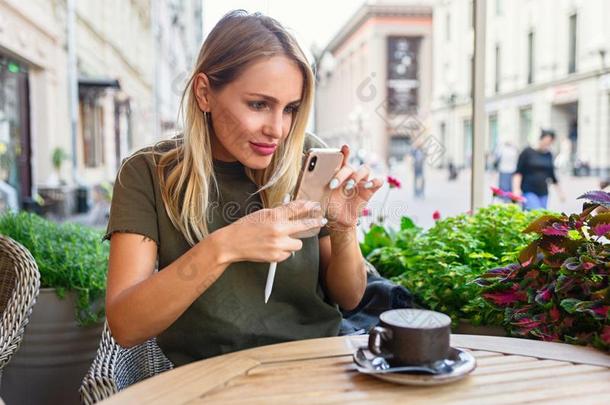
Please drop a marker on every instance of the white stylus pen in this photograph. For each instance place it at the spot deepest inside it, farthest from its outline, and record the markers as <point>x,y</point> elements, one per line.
<point>272,267</point>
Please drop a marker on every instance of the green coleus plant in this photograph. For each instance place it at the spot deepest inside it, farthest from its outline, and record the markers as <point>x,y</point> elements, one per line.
<point>559,289</point>
<point>439,265</point>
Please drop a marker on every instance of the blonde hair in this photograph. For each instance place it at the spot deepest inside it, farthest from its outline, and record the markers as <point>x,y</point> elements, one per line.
<point>186,171</point>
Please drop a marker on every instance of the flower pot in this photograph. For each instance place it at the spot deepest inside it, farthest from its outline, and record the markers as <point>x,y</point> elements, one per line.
<point>467,328</point>
<point>54,356</point>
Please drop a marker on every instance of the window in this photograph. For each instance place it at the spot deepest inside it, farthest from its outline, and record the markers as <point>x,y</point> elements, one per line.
<point>530,58</point>
<point>443,134</point>
<point>469,76</point>
<point>15,141</point>
<point>498,71</point>
<point>572,44</point>
<point>92,125</point>
<point>525,125</point>
<point>498,7</point>
<point>493,131</point>
<point>467,142</point>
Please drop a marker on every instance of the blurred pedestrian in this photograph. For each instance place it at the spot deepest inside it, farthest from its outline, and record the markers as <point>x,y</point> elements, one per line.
<point>534,169</point>
<point>419,182</point>
<point>453,173</point>
<point>507,155</point>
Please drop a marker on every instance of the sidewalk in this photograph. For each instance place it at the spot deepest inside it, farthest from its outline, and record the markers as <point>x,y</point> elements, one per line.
<point>453,197</point>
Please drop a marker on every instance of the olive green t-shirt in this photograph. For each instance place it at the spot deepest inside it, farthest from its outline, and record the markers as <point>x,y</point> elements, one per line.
<point>231,314</point>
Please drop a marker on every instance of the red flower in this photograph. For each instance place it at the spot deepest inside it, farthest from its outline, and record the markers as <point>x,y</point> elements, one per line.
<point>497,192</point>
<point>436,215</point>
<point>514,197</point>
<point>393,182</point>
<point>366,212</point>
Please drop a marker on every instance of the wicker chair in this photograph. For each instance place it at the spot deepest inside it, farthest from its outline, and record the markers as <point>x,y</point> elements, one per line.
<point>115,368</point>
<point>19,287</point>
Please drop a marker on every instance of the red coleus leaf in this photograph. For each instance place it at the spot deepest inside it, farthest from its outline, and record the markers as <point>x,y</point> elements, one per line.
<point>602,230</point>
<point>506,297</point>
<point>544,295</point>
<point>539,224</point>
<point>528,255</point>
<point>393,182</point>
<point>556,229</point>
<point>555,314</point>
<point>605,335</point>
<point>525,325</point>
<point>601,310</point>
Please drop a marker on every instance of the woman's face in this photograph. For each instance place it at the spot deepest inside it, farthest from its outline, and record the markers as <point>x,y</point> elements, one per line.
<point>254,113</point>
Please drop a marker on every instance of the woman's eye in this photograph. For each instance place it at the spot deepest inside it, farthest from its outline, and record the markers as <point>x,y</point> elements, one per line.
<point>257,105</point>
<point>291,109</point>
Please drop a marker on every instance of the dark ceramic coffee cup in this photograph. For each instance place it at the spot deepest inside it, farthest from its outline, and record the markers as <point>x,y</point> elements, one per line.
<point>411,337</point>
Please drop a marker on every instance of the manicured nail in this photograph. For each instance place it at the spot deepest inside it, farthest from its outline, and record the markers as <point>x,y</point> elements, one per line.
<point>368,184</point>
<point>350,184</point>
<point>334,183</point>
<point>324,221</point>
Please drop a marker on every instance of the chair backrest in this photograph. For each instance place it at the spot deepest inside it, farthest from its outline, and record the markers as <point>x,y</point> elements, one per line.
<point>115,368</point>
<point>19,287</point>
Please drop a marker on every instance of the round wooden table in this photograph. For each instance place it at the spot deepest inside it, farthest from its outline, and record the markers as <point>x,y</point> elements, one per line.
<point>321,371</point>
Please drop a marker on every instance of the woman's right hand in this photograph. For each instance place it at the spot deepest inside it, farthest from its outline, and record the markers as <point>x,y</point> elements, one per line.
<point>264,236</point>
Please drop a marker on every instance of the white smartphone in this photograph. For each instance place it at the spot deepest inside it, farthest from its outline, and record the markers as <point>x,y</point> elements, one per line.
<point>319,167</point>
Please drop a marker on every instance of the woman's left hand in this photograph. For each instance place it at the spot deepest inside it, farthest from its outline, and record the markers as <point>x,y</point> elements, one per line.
<point>351,191</point>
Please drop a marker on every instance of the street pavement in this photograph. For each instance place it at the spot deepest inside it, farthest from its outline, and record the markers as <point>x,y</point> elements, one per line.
<point>453,197</point>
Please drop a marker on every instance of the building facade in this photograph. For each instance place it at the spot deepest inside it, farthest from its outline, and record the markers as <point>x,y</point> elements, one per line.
<point>547,67</point>
<point>128,86</point>
<point>178,31</point>
<point>375,80</point>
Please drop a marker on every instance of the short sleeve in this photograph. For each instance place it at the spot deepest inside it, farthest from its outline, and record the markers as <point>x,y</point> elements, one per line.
<point>133,207</point>
<point>313,141</point>
<point>521,162</point>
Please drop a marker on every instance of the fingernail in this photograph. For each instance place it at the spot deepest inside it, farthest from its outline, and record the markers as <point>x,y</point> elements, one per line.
<point>350,184</point>
<point>334,183</point>
<point>324,221</point>
<point>368,184</point>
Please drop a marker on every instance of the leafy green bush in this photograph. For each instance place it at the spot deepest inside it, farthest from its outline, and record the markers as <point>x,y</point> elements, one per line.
<point>70,257</point>
<point>440,265</point>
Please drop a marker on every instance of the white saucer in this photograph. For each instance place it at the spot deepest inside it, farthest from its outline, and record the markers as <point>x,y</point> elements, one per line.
<point>458,365</point>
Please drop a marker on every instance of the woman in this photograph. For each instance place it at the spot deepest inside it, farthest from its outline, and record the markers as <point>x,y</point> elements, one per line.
<point>208,207</point>
<point>534,169</point>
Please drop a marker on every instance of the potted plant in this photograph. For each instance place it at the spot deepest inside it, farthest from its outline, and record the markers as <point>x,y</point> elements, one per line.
<point>559,288</point>
<point>66,323</point>
<point>57,158</point>
<point>439,265</point>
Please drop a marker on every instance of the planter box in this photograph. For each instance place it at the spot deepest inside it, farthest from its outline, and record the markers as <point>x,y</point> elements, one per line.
<point>54,356</point>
